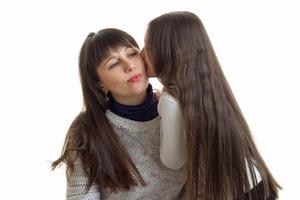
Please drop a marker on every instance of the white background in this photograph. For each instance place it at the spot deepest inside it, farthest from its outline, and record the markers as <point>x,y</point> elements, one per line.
<point>257,43</point>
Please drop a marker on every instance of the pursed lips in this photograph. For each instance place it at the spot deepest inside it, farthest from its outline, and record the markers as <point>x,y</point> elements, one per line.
<point>135,78</point>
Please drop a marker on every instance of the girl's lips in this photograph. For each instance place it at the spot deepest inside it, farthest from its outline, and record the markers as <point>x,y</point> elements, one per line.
<point>135,78</point>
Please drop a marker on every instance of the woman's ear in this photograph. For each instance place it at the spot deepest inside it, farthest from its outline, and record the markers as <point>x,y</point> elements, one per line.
<point>104,90</point>
<point>100,86</point>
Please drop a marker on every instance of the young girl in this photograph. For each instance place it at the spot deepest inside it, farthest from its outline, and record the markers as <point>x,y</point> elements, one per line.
<point>202,125</point>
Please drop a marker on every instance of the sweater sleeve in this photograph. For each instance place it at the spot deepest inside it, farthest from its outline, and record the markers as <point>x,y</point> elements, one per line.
<point>77,185</point>
<point>172,137</point>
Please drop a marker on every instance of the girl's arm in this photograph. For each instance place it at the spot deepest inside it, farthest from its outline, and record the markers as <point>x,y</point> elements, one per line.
<point>172,136</point>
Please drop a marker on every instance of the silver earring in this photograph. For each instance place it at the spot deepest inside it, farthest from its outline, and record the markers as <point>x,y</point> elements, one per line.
<point>106,97</point>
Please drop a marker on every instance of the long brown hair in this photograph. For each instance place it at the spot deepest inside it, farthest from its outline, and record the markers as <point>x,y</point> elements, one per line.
<point>220,148</point>
<point>91,138</point>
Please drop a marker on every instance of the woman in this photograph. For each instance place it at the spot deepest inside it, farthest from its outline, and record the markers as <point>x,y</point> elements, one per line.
<point>202,125</point>
<point>112,148</point>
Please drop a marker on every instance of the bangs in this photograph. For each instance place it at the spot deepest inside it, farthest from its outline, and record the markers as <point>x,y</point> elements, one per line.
<point>111,39</point>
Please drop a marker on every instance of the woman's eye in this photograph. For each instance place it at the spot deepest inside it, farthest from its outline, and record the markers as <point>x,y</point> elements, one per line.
<point>132,54</point>
<point>114,65</point>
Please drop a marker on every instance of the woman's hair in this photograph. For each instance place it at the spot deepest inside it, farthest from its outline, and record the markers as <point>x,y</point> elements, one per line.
<point>220,148</point>
<point>91,138</point>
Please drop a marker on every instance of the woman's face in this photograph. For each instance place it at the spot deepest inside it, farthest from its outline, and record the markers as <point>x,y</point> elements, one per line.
<point>123,74</point>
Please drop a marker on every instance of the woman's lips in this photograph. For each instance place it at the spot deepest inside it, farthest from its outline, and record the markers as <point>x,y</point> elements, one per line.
<point>135,78</point>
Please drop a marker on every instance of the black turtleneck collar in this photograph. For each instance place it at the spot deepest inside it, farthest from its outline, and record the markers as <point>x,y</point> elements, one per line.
<point>145,111</point>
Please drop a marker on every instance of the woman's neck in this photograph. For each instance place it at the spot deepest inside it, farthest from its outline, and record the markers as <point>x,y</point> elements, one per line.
<point>145,110</point>
<point>132,100</point>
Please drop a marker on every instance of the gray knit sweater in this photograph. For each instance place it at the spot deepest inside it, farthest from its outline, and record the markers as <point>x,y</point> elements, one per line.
<point>142,142</point>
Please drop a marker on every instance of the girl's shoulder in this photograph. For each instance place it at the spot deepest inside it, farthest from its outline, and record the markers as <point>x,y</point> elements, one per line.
<point>167,104</point>
<point>167,97</point>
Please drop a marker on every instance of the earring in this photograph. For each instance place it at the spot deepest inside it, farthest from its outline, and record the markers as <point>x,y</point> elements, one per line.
<point>106,97</point>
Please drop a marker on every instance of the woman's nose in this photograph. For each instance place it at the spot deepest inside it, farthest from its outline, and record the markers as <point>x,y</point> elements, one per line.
<point>128,66</point>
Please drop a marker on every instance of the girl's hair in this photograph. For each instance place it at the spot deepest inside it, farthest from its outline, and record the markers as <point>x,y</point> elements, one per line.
<point>220,148</point>
<point>91,138</point>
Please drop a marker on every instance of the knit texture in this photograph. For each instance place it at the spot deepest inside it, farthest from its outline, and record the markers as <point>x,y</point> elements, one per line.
<point>141,139</point>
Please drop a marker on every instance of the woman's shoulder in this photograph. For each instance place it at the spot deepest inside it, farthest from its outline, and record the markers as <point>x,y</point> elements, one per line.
<point>78,124</point>
<point>80,118</point>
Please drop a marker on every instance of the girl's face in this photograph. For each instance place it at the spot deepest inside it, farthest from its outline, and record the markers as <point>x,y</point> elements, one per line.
<point>123,74</point>
<point>149,65</point>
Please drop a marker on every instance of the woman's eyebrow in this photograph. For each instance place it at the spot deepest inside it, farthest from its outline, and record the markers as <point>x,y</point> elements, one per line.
<point>107,59</point>
<point>109,56</point>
